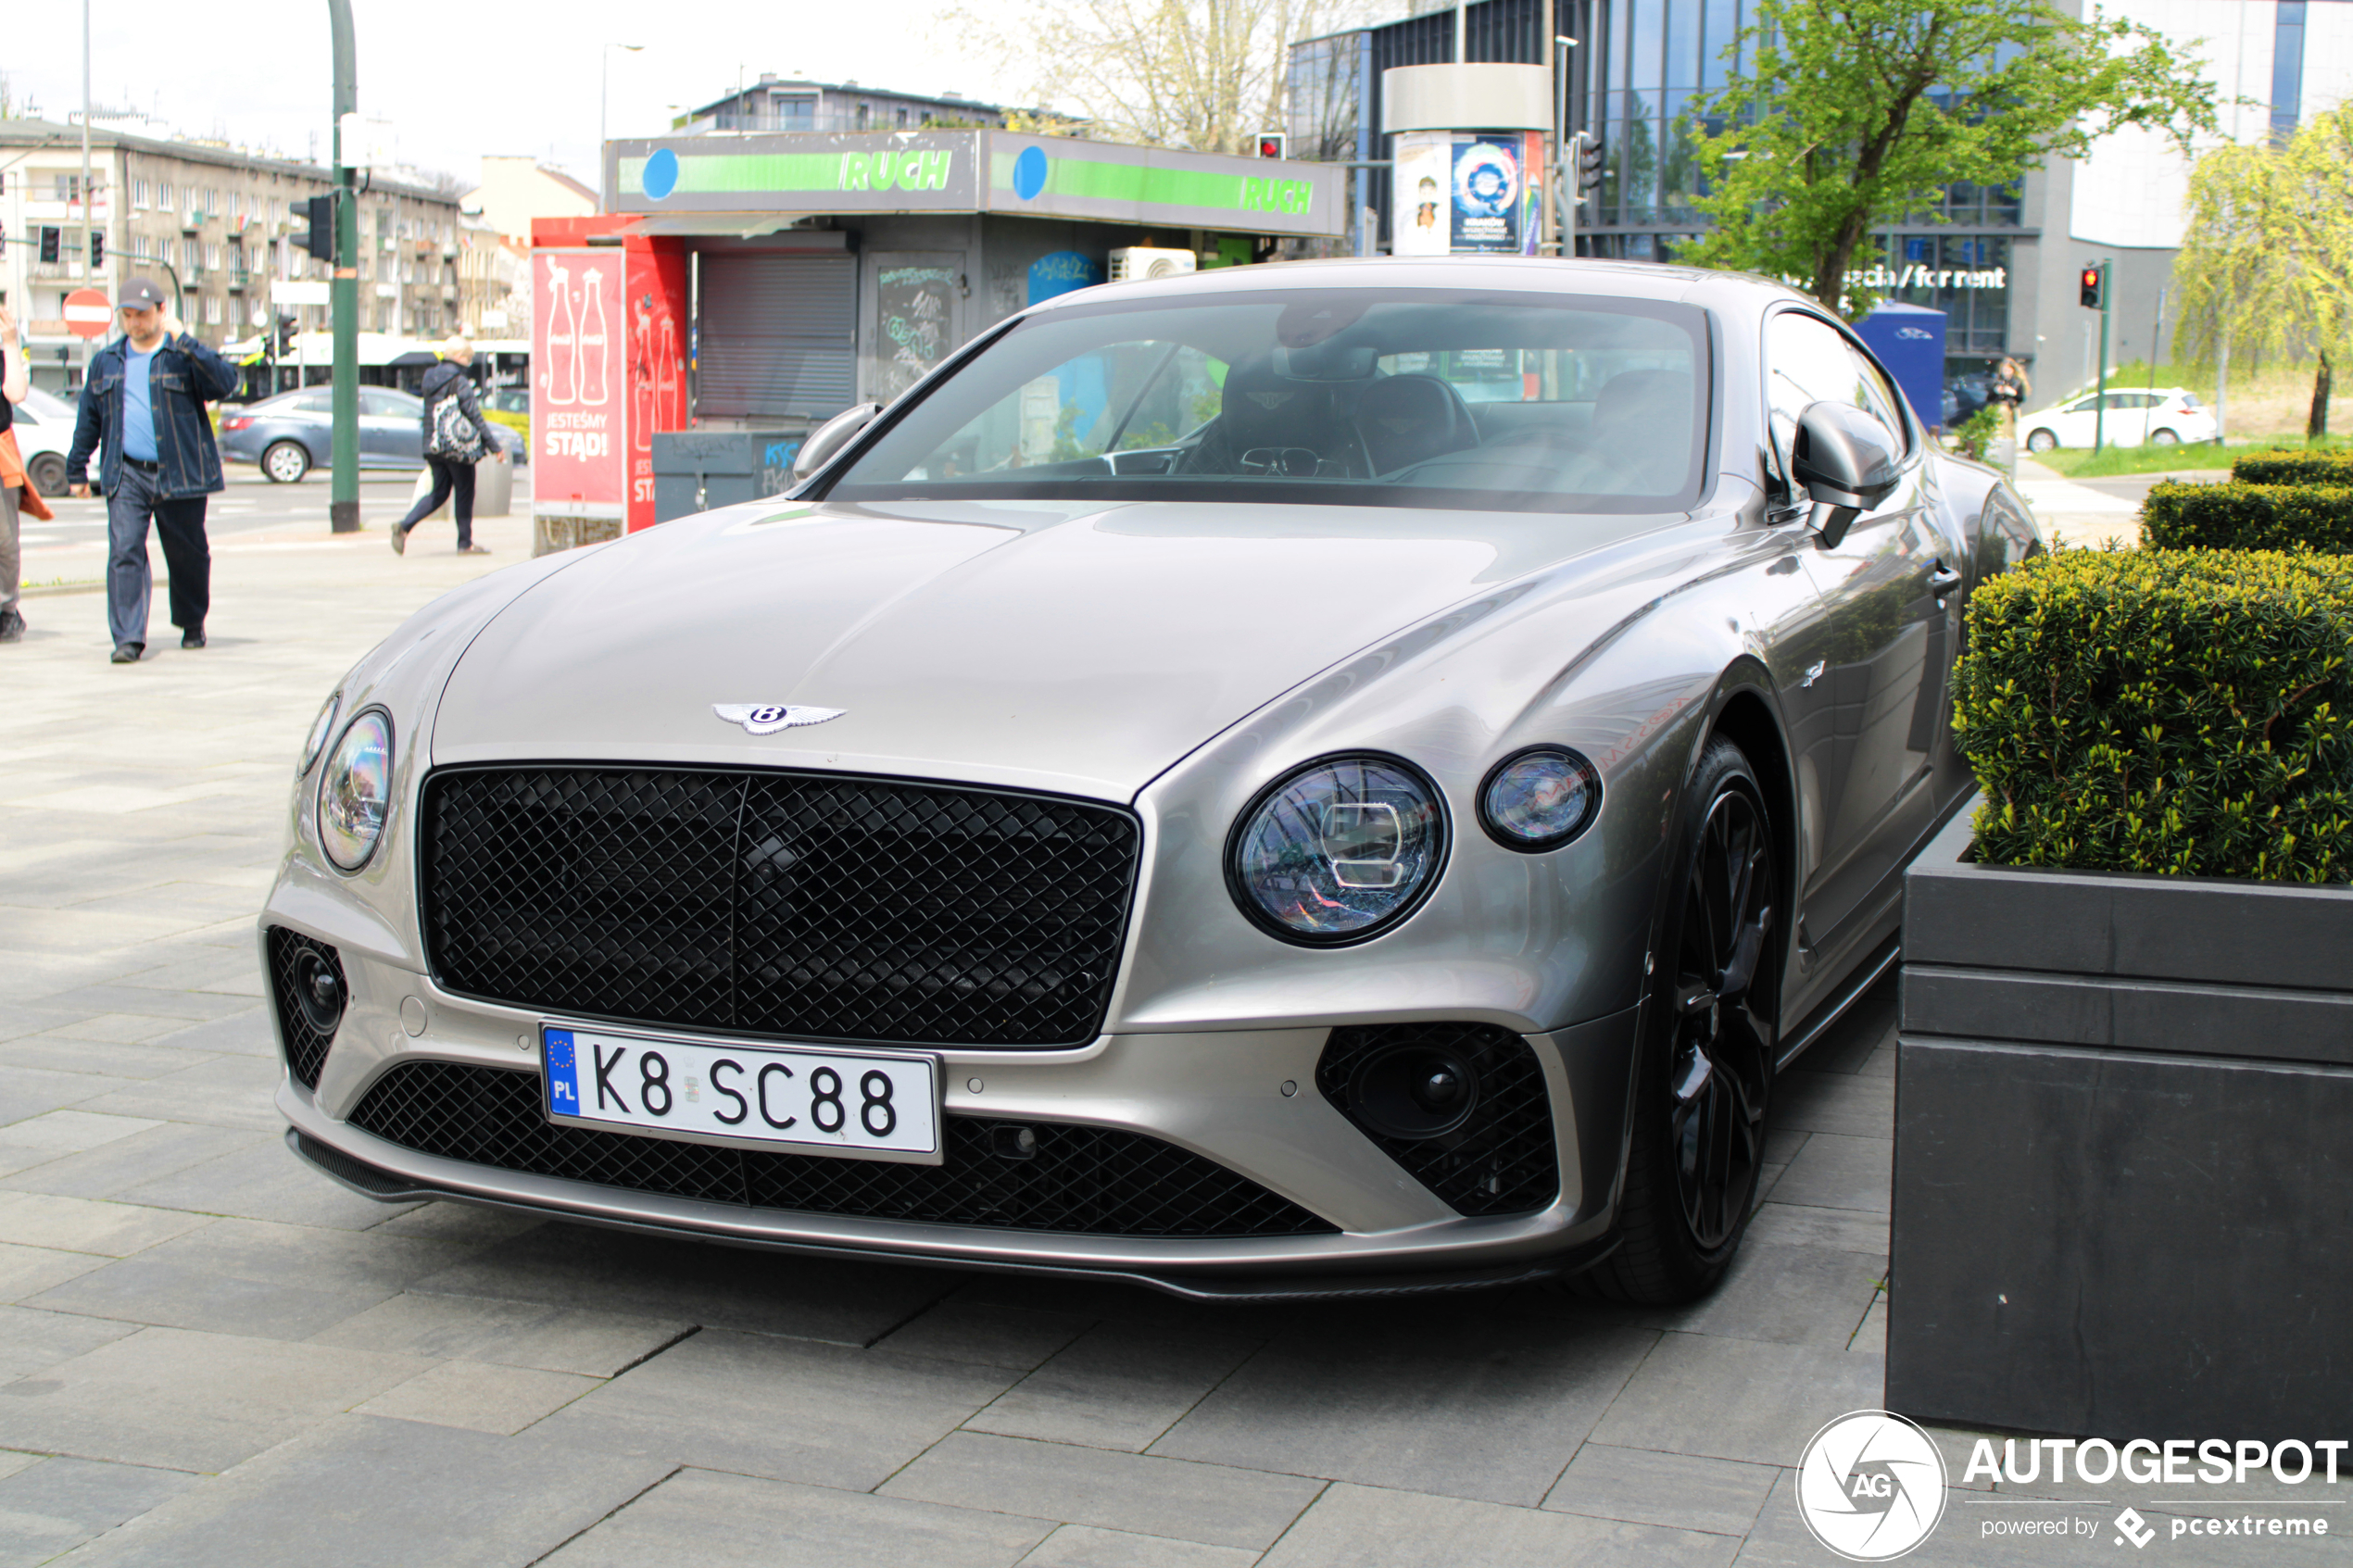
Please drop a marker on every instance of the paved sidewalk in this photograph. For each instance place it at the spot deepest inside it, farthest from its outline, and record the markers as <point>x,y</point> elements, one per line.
<point>210,1354</point>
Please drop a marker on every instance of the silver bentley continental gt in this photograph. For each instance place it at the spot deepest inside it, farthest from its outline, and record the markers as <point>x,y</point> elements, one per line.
<point>1299,781</point>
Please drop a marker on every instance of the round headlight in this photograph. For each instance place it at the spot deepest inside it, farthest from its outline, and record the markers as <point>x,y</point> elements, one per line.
<point>320,730</point>
<point>1539,798</point>
<point>355,792</point>
<point>1338,851</point>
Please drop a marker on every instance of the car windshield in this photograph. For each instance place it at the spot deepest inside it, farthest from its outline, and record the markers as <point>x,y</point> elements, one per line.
<point>1356,396</point>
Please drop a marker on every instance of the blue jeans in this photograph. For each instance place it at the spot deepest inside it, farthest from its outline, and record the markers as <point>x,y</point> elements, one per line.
<point>180,526</point>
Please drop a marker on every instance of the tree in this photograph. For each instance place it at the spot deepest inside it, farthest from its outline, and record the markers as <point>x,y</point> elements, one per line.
<point>1202,74</point>
<point>2267,266</point>
<point>1848,115</point>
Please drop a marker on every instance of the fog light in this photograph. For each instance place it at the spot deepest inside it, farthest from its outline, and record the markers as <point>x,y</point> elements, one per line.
<point>1014,1143</point>
<point>1415,1091</point>
<point>317,991</point>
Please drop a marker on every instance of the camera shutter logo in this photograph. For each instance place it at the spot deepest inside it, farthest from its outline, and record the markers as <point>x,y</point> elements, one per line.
<point>1871,1486</point>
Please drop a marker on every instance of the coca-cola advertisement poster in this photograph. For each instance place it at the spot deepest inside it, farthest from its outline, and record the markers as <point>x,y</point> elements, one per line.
<point>579,382</point>
<point>656,309</point>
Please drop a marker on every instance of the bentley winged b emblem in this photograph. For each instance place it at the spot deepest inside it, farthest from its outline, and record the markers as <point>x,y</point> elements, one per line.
<point>767,718</point>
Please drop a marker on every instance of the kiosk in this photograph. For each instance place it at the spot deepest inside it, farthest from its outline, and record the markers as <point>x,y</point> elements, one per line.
<point>762,283</point>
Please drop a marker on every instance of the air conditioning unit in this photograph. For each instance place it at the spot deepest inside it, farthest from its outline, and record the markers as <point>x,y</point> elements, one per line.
<point>1151,261</point>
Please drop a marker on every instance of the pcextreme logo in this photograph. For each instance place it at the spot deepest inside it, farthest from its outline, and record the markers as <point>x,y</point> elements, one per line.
<point>1871,1486</point>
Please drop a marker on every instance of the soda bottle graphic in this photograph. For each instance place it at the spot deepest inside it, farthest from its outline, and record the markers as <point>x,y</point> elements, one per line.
<point>560,376</point>
<point>595,348</point>
<point>669,405</point>
<point>641,377</point>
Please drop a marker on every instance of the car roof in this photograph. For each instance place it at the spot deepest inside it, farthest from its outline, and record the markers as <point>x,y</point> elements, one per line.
<point>1529,274</point>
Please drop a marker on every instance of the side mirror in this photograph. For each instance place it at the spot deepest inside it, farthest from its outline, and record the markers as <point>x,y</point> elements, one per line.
<point>1844,459</point>
<point>831,437</point>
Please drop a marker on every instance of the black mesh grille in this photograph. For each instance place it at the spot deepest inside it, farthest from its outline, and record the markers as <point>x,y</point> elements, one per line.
<point>1090,1180</point>
<point>306,1046</point>
<point>1502,1159</point>
<point>816,906</point>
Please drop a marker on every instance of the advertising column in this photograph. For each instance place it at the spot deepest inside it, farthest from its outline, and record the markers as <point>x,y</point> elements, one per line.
<point>1463,193</point>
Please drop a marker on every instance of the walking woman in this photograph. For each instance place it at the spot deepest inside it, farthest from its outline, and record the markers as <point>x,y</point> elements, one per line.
<point>2010,389</point>
<point>457,437</point>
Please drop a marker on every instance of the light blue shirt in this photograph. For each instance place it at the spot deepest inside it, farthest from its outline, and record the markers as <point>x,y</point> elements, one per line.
<point>138,408</point>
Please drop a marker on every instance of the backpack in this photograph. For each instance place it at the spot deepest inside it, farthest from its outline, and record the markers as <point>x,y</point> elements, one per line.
<point>448,433</point>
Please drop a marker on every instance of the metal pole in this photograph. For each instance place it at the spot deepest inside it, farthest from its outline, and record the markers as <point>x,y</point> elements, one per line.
<point>2223,388</point>
<point>342,510</point>
<point>1550,230</point>
<point>2156,336</point>
<point>2099,404</point>
<point>1461,33</point>
<point>604,86</point>
<point>1566,155</point>
<point>89,343</point>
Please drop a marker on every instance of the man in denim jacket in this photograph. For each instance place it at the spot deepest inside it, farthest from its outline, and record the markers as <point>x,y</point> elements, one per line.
<point>143,411</point>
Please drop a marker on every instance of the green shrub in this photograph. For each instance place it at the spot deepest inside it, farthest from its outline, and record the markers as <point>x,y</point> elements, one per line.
<point>2249,517</point>
<point>2288,465</point>
<point>2187,712</point>
<point>1973,436</point>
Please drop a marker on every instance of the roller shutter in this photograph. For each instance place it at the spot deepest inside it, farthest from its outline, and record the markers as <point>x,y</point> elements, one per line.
<point>779,335</point>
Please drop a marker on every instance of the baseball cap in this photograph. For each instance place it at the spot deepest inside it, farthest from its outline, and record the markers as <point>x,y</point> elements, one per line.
<point>141,291</point>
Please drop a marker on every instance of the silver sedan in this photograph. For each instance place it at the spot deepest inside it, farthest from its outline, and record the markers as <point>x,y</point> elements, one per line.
<point>1296,781</point>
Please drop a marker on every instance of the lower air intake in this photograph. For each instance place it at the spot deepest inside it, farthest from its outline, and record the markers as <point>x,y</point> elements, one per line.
<point>1488,1151</point>
<point>1091,1180</point>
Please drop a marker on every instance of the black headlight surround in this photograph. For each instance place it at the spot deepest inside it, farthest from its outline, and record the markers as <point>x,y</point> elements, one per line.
<point>1444,823</point>
<point>1510,840</point>
<point>326,772</point>
<point>322,733</point>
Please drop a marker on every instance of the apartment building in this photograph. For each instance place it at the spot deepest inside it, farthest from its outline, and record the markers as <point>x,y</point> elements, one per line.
<point>213,223</point>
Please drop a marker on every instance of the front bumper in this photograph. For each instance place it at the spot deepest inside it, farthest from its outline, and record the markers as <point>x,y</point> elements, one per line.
<point>1218,1094</point>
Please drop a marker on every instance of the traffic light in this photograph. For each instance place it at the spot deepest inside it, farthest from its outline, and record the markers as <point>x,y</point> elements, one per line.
<point>287,327</point>
<point>51,239</point>
<point>2093,295</point>
<point>320,241</point>
<point>98,247</point>
<point>1589,162</point>
<point>1273,144</point>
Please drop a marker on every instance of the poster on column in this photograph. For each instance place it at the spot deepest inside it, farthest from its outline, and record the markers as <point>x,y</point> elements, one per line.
<point>656,309</point>
<point>578,413</point>
<point>1487,187</point>
<point>1425,164</point>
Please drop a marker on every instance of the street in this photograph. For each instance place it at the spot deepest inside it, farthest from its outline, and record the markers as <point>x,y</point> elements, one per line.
<point>213,1354</point>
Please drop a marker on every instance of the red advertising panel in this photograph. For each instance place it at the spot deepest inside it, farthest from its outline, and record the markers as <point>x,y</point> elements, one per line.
<point>577,393</point>
<point>655,311</point>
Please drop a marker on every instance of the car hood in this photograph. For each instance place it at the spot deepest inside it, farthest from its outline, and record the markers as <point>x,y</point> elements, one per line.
<point>1080,650</point>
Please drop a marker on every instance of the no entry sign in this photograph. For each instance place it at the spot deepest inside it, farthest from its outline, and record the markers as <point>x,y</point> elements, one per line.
<point>87,313</point>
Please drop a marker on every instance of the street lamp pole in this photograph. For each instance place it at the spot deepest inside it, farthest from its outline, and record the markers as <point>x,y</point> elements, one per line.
<point>604,82</point>
<point>1563,156</point>
<point>342,509</point>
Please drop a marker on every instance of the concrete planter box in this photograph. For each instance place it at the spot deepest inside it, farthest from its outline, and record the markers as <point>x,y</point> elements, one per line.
<point>2124,1186</point>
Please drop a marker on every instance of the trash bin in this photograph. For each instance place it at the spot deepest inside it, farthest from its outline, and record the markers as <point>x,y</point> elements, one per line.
<point>494,491</point>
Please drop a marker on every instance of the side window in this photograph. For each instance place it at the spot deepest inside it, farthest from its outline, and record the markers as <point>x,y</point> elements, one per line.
<point>1806,362</point>
<point>378,405</point>
<point>1882,397</point>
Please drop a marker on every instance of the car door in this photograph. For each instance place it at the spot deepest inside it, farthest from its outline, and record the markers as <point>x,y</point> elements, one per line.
<point>1866,699</point>
<point>389,435</point>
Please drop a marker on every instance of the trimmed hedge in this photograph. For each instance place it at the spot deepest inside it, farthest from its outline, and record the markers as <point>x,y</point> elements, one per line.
<point>2184,712</point>
<point>2239,516</point>
<point>2288,465</point>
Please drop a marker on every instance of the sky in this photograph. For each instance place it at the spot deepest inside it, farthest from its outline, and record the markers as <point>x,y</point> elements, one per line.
<point>457,81</point>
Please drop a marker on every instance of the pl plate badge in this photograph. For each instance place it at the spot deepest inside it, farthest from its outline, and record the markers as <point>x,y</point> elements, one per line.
<point>767,718</point>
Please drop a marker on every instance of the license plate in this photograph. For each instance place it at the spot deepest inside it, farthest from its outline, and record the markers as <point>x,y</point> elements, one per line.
<point>806,1099</point>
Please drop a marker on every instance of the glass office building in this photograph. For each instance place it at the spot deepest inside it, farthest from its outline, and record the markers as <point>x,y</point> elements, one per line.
<point>1999,262</point>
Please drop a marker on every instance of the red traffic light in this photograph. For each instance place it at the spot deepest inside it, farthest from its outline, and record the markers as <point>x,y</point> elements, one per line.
<point>1273,144</point>
<point>2094,287</point>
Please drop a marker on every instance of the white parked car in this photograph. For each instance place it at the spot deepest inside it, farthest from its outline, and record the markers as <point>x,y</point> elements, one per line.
<point>43,426</point>
<point>2161,416</point>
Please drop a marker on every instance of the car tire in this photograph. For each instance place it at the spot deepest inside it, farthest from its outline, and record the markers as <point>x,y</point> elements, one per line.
<point>1705,1065</point>
<point>2164,438</point>
<point>2040,441</point>
<point>47,471</point>
<point>284,463</point>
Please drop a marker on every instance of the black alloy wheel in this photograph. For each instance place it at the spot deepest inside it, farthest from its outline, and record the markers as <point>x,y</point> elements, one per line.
<point>1704,1069</point>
